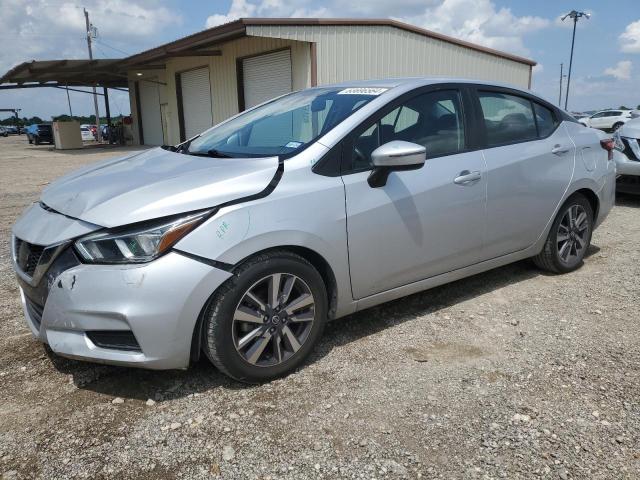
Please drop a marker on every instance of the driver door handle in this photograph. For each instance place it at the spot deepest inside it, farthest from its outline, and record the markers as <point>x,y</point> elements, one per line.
<point>559,149</point>
<point>467,178</point>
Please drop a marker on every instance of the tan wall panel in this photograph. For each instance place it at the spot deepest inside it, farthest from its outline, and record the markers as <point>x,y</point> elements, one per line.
<point>365,52</point>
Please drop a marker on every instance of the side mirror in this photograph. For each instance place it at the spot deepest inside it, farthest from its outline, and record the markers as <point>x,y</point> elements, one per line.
<point>395,155</point>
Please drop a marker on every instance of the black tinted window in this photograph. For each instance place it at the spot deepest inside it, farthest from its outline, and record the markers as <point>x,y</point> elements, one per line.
<point>545,119</point>
<point>432,119</point>
<point>507,118</point>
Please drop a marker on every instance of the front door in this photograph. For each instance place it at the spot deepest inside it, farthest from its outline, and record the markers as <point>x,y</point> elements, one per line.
<point>422,222</point>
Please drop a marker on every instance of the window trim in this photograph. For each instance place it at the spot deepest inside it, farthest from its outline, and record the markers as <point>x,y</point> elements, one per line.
<point>348,139</point>
<point>478,88</point>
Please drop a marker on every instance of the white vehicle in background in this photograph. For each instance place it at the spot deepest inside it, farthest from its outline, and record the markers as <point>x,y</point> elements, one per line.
<point>627,140</point>
<point>609,119</point>
<point>86,134</point>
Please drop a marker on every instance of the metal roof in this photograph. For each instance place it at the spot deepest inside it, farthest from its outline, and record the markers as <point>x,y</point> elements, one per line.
<point>80,73</point>
<point>229,31</point>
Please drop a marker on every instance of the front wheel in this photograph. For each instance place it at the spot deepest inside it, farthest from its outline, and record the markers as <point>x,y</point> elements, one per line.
<point>616,126</point>
<point>569,237</point>
<point>265,321</point>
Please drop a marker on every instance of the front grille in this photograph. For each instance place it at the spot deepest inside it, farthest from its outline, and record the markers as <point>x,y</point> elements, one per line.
<point>115,339</point>
<point>35,312</point>
<point>28,256</point>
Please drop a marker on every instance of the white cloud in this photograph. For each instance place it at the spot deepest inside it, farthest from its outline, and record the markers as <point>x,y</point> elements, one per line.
<point>622,70</point>
<point>267,8</point>
<point>46,30</point>
<point>479,21</point>
<point>630,38</point>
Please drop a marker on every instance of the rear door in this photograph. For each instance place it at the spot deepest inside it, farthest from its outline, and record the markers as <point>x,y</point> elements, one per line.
<point>530,161</point>
<point>422,222</point>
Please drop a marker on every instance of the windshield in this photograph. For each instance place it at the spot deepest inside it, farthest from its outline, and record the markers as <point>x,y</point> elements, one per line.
<point>284,126</point>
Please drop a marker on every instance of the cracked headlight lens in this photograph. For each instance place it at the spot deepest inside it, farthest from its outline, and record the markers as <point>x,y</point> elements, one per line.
<point>139,244</point>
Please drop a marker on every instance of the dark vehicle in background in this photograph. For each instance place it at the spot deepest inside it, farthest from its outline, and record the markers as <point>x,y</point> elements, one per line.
<point>3,132</point>
<point>40,133</point>
<point>12,129</point>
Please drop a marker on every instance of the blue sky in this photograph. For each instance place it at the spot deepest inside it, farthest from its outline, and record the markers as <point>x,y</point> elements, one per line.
<point>606,61</point>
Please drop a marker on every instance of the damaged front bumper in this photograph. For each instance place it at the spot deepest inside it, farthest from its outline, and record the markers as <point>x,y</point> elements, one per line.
<point>131,315</point>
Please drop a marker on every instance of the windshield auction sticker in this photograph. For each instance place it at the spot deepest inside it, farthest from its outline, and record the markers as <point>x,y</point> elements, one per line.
<point>363,91</point>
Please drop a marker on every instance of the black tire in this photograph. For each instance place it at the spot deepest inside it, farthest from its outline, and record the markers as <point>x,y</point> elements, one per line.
<point>30,140</point>
<point>550,258</point>
<point>218,331</point>
<point>37,141</point>
<point>616,126</point>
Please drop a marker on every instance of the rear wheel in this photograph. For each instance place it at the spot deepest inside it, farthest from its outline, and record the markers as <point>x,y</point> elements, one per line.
<point>265,321</point>
<point>617,125</point>
<point>569,237</point>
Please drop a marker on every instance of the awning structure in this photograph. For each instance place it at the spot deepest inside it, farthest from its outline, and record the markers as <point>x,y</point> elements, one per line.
<point>62,73</point>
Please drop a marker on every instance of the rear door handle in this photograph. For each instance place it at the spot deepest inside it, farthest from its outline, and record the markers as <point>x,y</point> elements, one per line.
<point>559,149</point>
<point>467,178</point>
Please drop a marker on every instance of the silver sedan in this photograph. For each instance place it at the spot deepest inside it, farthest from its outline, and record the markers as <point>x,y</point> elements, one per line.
<point>243,241</point>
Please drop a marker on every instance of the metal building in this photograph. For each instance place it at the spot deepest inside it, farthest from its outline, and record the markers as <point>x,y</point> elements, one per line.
<point>179,89</point>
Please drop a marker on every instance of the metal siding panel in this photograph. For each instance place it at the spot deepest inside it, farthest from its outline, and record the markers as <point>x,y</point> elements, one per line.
<point>397,52</point>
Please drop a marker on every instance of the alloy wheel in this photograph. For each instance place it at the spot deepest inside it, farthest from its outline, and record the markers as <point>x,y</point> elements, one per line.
<point>273,319</point>
<point>573,235</point>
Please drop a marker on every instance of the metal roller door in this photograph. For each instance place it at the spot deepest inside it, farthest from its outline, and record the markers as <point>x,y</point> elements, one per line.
<point>150,113</point>
<point>196,101</point>
<point>265,77</point>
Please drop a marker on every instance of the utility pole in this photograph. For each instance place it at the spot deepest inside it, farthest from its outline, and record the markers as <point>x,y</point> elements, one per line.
<point>560,95</point>
<point>69,101</point>
<point>575,15</point>
<point>95,97</point>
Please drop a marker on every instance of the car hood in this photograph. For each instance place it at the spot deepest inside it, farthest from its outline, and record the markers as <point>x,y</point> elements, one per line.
<point>631,129</point>
<point>155,183</point>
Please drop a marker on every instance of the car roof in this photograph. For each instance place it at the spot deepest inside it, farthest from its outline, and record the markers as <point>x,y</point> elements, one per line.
<point>414,82</point>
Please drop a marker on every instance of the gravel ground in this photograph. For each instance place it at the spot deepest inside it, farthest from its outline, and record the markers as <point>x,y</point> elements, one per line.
<point>509,374</point>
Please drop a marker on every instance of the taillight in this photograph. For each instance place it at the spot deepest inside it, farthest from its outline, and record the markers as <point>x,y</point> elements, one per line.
<point>608,144</point>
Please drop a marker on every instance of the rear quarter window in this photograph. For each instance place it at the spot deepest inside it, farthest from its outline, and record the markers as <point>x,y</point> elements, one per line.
<point>545,119</point>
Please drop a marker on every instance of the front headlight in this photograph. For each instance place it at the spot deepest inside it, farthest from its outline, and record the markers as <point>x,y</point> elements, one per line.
<point>137,245</point>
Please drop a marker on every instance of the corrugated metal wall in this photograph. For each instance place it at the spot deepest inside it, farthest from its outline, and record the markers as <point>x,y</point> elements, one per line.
<point>365,52</point>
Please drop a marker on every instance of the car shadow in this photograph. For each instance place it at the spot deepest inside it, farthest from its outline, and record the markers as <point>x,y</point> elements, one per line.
<point>141,384</point>
<point>132,383</point>
<point>627,200</point>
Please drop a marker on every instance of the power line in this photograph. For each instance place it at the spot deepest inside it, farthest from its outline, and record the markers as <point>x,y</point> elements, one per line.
<point>109,46</point>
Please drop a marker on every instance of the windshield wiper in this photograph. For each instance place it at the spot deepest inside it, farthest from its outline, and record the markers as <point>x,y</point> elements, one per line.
<point>210,153</point>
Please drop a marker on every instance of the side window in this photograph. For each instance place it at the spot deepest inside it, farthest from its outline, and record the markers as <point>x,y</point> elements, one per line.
<point>507,118</point>
<point>546,120</point>
<point>432,119</point>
